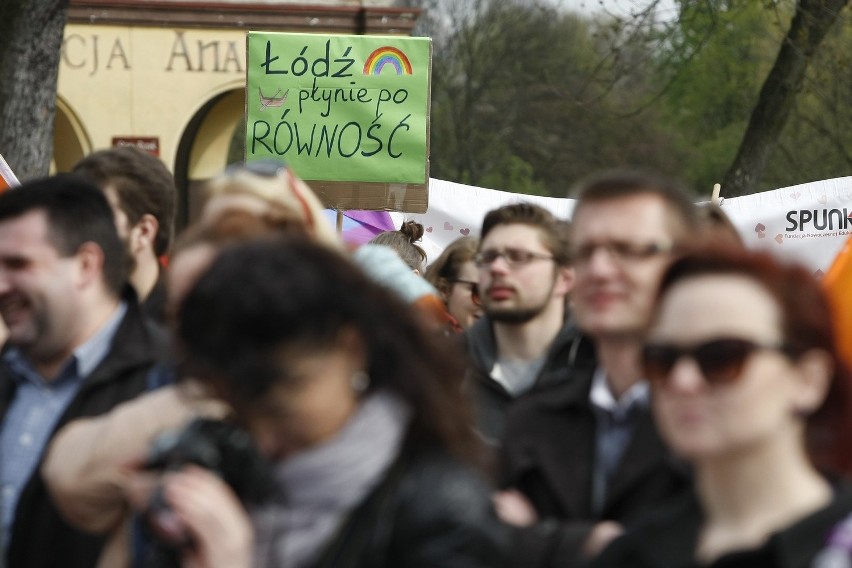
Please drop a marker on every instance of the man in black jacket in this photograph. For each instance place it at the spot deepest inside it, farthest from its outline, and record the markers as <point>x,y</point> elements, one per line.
<point>587,455</point>
<point>526,341</point>
<point>77,346</point>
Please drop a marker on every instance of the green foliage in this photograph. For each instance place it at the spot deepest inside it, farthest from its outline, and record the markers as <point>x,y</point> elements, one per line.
<point>817,142</point>
<point>520,99</point>
<point>731,46</point>
<point>515,175</point>
<point>528,97</point>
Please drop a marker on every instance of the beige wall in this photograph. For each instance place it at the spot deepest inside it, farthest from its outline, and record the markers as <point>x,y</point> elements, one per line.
<point>164,71</point>
<point>148,82</point>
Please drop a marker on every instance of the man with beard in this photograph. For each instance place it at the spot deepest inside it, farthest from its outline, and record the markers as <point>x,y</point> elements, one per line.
<point>525,343</point>
<point>141,192</point>
<point>78,345</point>
<point>585,461</point>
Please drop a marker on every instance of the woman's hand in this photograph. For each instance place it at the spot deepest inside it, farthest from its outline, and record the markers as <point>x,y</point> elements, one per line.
<point>514,508</point>
<point>213,515</point>
<point>601,536</point>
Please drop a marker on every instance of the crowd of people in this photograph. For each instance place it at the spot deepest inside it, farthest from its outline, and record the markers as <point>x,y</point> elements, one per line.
<point>630,388</point>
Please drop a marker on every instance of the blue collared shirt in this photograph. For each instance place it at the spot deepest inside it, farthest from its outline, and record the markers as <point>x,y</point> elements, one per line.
<point>37,407</point>
<point>615,420</point>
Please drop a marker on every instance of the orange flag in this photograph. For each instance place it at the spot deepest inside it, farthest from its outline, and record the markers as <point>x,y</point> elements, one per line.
<point>838,285</point>
<point>7,176</point>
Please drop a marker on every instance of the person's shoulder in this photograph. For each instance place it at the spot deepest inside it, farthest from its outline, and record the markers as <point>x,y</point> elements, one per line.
<point>435,475</point>
<point>573,348</point>
<point>815,539</point>
<point>445,515</point>
<point>480,342</point>
<point>666,537</point>
<point>557,397</point>
<point>438,490</point>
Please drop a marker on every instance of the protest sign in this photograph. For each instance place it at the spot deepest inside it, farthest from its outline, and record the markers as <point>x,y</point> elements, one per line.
<point>349,114</point>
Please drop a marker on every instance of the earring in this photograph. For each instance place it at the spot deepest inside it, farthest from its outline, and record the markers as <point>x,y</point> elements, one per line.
<point>360,381</point>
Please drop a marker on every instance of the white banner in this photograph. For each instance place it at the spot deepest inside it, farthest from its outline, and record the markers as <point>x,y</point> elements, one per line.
<point>808,223</point>
<point>456,210</point>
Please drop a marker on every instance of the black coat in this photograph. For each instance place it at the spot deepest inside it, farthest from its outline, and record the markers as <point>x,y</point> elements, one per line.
<point>430,511</point>
<point>40,537</point>
<point>669,539</point>
<point>569,351</point>
<point>549,455</point>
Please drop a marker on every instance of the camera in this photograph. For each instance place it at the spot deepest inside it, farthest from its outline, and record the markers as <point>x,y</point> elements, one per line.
<point>220,447</point>
<point>224,449</point>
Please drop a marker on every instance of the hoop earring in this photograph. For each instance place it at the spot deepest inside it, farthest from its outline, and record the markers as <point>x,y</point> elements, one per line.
<point>360,381</point>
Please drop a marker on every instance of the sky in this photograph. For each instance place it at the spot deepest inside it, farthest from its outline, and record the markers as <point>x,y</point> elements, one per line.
<point>618,7</point>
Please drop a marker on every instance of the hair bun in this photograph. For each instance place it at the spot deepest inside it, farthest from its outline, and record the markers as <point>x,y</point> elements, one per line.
<point>412,230</point>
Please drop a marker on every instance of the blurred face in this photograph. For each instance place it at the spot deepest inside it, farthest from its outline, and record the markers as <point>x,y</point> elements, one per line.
<point>745,408</point>
<point>222,202</point>
<point>37,287</point>
<point>311,405</point>
<point>184,270</point>
<point>620,250</point>
<point>460,296</point>
<point>519,291</point>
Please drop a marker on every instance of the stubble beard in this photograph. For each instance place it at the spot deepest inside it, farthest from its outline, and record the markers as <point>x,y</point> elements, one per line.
<point>515,316</point>
<point>129,259</point>
<point>520,315</point>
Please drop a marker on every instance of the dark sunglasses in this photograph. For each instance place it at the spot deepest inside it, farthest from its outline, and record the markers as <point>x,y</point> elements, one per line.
<point>474,290</point>
<point>721,360</point>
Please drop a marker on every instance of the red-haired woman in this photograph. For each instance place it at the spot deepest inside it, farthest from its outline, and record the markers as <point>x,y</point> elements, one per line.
<point>748,387</point>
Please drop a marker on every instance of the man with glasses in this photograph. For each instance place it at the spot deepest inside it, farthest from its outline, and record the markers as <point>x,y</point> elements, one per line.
<point>587,456</point>
<point>525,342</point>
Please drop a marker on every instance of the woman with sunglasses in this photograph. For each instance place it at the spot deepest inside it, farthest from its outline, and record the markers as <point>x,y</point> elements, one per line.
<point>456,277</point>
<point>748,387</point>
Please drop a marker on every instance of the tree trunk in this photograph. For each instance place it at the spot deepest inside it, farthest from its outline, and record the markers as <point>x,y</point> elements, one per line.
<point>811,22</point>
<point>30,44</point>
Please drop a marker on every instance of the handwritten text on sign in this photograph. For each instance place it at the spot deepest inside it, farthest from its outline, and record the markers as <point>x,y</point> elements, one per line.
<point>339,108</point>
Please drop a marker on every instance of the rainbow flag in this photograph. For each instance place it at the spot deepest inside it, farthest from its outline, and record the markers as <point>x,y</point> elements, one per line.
<point>7,176</point>
<point>838,285</point>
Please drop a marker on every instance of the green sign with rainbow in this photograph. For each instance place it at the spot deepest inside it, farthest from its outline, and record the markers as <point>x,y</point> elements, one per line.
<point>340,108</point>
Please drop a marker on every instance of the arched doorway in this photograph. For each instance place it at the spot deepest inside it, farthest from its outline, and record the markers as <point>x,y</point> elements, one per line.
<point>70,140</point>
<point>213,138</point>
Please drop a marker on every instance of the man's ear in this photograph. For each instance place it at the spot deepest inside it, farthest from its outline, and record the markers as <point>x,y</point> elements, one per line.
<point>90,260</point>
<point>564,280</point>
<point>816,369</point>
<point>144,233</point>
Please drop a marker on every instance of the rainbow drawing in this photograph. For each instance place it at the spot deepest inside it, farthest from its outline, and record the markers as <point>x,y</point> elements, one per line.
<point>387,56</point>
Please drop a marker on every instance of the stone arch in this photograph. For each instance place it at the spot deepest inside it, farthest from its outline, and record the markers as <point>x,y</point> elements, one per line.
<point>70,140</point>
<point>205,146</point>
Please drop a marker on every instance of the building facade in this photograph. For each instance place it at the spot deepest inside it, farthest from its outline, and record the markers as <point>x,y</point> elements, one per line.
<point>169,77</point>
